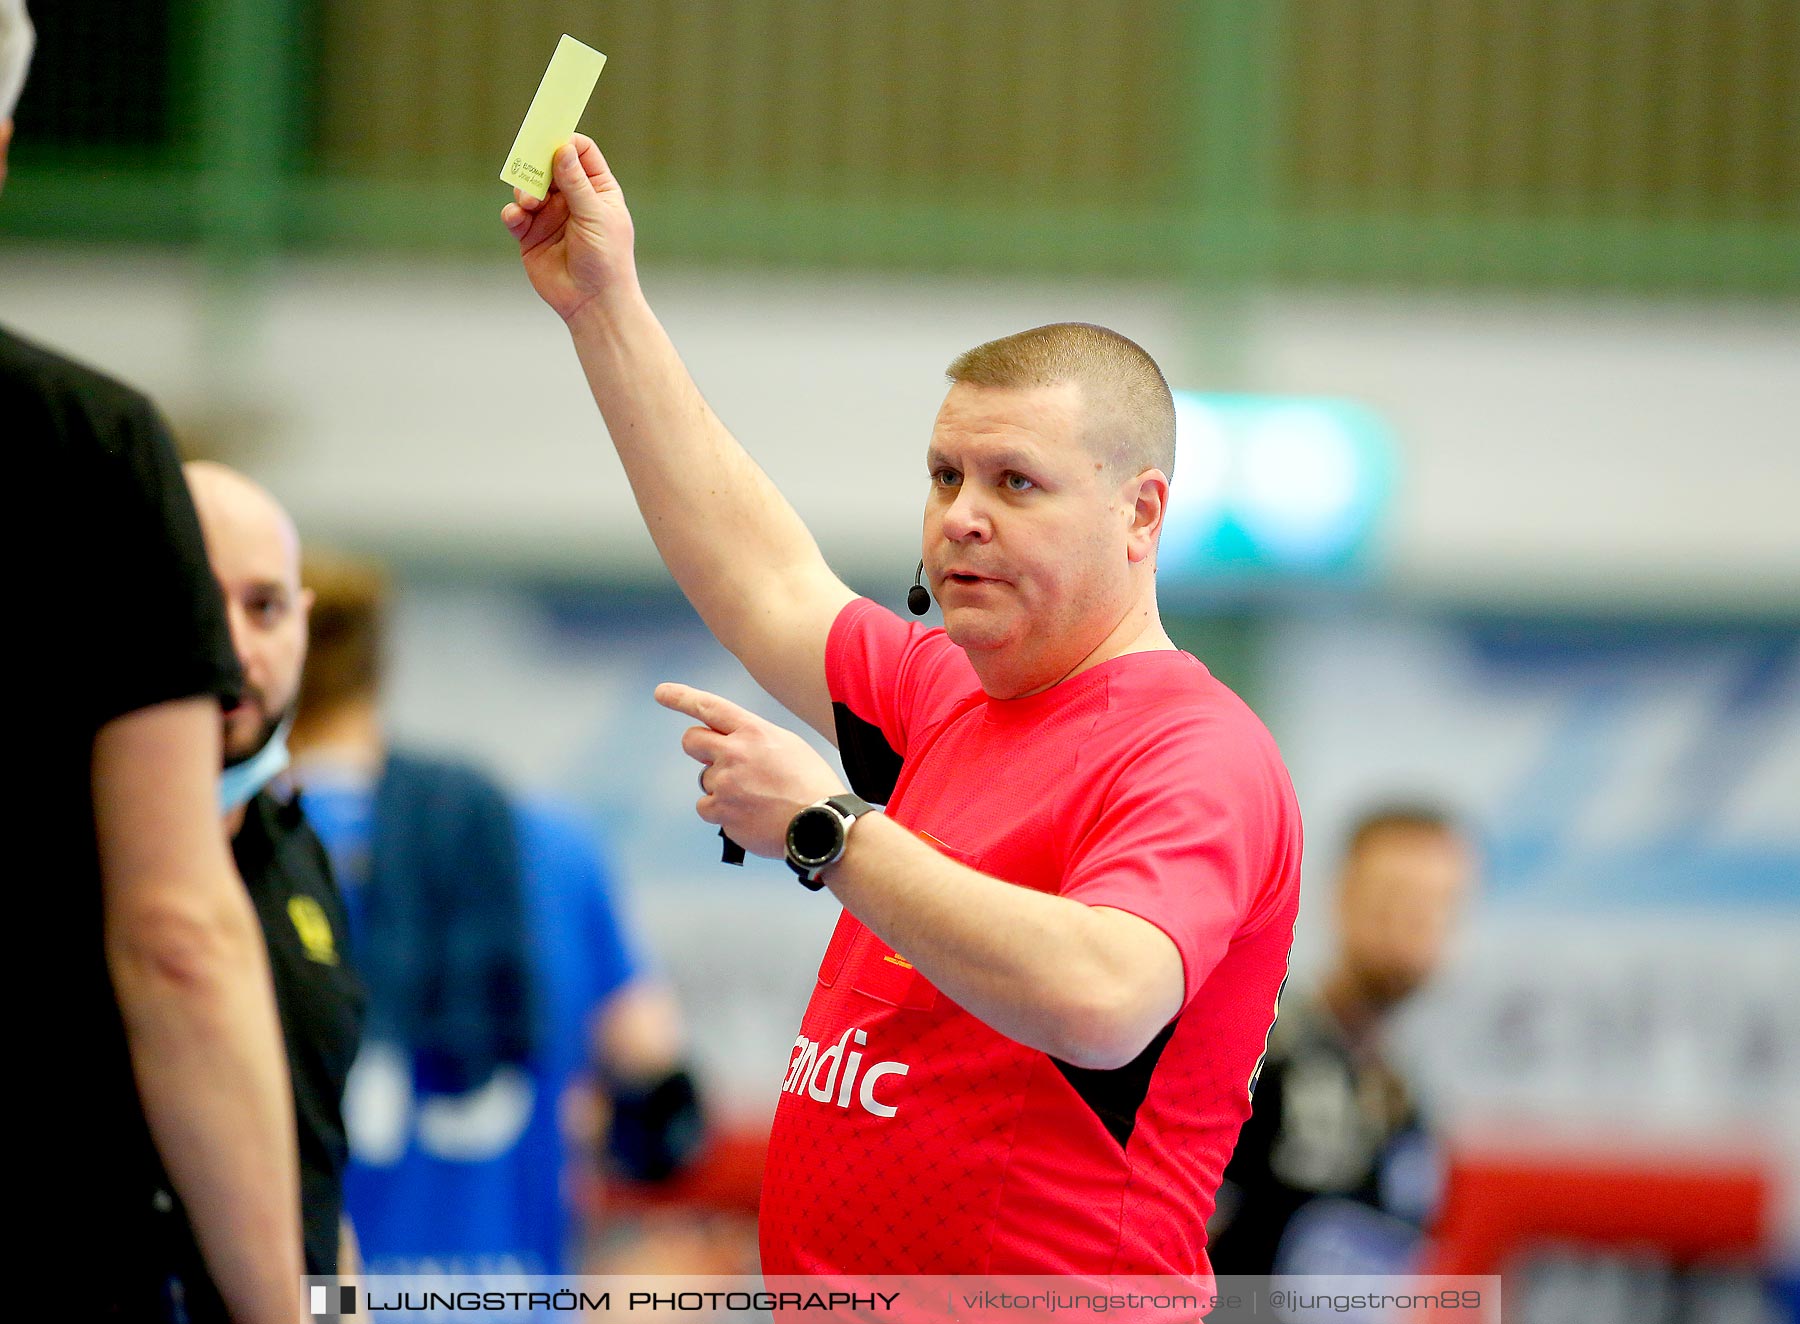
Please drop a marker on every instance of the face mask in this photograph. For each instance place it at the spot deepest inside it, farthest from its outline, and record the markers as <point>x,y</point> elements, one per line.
<point>240,782</point>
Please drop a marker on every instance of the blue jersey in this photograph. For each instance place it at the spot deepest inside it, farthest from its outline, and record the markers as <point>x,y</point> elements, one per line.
<point>473,1183</point>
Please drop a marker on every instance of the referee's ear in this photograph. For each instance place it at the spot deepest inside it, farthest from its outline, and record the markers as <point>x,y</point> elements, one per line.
<point>1147,496</point>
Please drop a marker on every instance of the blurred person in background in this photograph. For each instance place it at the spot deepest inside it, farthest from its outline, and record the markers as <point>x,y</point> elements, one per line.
<point>1335,1171</point>
<point>157,1132</point>
<point>255,554</point>
<point>1034,1031</point>
<point>476,1178</point>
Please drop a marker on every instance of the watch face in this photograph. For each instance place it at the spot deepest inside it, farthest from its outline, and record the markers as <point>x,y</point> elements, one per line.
<point>814,836</point>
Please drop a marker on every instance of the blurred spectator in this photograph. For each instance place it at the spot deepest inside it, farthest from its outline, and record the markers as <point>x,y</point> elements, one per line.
<point>1335,1171</point>
<point>465,1167</point>
<point>255,555</point>
<point>159,1155</point>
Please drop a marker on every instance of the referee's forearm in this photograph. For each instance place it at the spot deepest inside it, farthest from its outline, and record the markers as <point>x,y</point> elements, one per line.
<point>1043,970</point>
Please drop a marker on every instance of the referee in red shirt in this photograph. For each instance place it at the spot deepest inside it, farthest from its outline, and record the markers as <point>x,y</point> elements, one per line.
<point>1037,1027</point>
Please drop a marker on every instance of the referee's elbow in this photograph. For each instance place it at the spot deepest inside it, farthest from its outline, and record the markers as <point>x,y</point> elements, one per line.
<point>1105,1028</point>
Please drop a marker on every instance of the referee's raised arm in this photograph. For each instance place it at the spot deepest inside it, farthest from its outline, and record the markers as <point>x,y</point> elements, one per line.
<point>735,546</point>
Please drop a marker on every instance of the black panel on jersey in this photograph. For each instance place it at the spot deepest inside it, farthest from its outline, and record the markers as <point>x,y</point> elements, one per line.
<point>871,764</point>
<point>1116,1095</point>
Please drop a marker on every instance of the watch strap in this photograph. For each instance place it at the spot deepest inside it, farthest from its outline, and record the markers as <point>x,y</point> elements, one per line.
<point>850,805</point>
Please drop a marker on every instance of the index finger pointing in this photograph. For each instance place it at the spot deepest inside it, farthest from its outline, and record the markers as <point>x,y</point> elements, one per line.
<point>721,714</point>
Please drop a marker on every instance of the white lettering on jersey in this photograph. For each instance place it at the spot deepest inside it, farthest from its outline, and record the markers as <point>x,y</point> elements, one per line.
<point>384,1119</point>
<point>831,1076</point>
<point>876,1072</point>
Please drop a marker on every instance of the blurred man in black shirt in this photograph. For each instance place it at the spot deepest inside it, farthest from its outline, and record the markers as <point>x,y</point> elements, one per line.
<point>1335,1171</point>
<point>255,555</point>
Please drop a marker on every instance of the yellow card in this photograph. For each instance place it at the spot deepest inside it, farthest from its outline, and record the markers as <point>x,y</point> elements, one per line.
<point>555,110</point>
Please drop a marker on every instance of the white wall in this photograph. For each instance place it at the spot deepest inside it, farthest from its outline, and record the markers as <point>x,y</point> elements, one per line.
<point>1550,448</point>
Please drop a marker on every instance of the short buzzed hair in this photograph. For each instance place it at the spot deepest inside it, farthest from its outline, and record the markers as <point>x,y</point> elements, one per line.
<point>1130,414</point>
<point>1399,816</point>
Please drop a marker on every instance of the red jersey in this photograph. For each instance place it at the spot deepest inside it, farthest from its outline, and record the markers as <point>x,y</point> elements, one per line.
<point>912,1138</point>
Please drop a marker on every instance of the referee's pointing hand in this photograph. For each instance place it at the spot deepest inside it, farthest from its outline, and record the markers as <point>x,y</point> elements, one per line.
<point>756,775</point>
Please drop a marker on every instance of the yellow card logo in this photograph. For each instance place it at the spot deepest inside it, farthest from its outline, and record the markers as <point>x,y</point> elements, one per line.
<point>314,929</point>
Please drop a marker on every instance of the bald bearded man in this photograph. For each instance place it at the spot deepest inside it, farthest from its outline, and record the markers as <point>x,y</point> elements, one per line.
<point>254,551</point>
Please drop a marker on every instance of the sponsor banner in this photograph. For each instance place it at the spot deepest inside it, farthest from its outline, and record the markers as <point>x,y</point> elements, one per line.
<point>1012,1299</point>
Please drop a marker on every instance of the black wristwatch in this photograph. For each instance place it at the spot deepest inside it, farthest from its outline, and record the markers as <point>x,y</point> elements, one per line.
<point>816,835</point>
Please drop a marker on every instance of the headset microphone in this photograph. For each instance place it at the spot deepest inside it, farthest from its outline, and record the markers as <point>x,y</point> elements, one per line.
<point>918,597</point>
